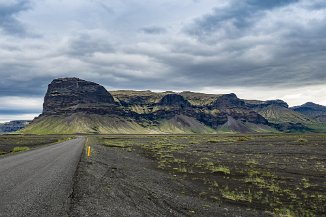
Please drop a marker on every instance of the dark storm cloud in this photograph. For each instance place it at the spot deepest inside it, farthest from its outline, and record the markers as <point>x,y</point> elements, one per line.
<point>258,43</point>
<point>8,21</point>
<point>238,16</point>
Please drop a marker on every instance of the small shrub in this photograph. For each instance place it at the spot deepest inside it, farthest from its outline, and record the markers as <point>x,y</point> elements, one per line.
<point>180,169</point>
<point>19,149</point>
<point>220,169</point>
<point>302,140</point>
<point>305,183</point>
<point>230,195</point>
<point>251,162</point>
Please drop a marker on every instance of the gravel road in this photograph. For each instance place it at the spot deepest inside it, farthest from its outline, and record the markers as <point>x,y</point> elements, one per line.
<point>39,182</point>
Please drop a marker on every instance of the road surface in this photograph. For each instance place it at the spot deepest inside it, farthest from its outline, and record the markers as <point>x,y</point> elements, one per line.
<point>39,182</point>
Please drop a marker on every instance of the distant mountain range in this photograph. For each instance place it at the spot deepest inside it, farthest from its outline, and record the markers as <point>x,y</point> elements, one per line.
<point>13,126</point>
<point>312,110</point>
<point>72,105</point>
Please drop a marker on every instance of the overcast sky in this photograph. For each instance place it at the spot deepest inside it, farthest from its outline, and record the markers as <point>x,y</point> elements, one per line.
<point>258,49</point>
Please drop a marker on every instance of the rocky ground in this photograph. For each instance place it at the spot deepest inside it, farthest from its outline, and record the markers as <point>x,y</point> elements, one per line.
<point>202,175</point>
<point>119,182</point>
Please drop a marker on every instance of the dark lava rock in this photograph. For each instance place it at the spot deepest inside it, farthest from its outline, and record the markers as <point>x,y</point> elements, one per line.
<point>66,95</point>
<point>228,101</point>
<point>174,100</point>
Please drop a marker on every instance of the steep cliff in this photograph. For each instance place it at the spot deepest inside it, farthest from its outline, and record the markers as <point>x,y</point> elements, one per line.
<point>70,95</point>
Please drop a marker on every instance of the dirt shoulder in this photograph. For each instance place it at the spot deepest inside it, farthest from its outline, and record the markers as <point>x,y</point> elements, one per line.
<point>118,182</point>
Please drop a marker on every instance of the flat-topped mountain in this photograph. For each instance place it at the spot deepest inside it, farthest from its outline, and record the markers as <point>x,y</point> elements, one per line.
<point>66,95</point>
<point>228,101</point>
<point>73,105</point>
<point>256,104</point>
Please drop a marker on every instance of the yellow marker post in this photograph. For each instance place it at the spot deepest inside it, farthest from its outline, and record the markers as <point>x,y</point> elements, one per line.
<point>89,151</point>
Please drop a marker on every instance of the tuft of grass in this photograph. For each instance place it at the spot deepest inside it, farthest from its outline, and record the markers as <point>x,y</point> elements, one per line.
<point>251,162</point>
<point>306,183</point>
<point>257,181</point>
<point>180,169</point>
<point>219,169</point>
<point>284,213</point>
<point>19,149</point>
<point>302,140</point>
<point>234,196</point>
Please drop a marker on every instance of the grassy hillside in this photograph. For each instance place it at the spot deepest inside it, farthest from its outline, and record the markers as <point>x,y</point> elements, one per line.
<point>318,127</point>
<point>102,124</point>
<point>236,126</point>
<point>184,124</point>
<point>80,123</point>
<point>277,114</point>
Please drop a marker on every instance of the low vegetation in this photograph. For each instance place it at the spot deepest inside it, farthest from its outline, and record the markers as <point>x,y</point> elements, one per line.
<point>280,173</point>
<point>19,149</point>
<point>17,143</point>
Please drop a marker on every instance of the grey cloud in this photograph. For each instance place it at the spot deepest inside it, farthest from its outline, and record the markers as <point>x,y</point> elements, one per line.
<point>84,45</point>
<point>268,4</point>
<point>153,30</point>
<point>273,57</point>
<point>249,45</point>
<point>8,21</point>
<point>233,20</point>
<point>104,6</point>
<point>19,112</point>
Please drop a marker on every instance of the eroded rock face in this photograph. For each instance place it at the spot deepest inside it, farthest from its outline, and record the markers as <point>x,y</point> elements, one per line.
<point>72,95</point>
<point>66,95</point>
<point>174,100</point>
<point>228,101</point>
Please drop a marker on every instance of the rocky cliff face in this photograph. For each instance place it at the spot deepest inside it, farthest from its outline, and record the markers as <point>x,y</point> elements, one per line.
<point>228,101</point>
<point>76,99</point>
<point>71,95</point>
<point>174,100</point>
<point>67,95</point>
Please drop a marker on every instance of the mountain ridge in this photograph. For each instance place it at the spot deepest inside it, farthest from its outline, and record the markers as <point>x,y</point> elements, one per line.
<point>87,107</point>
